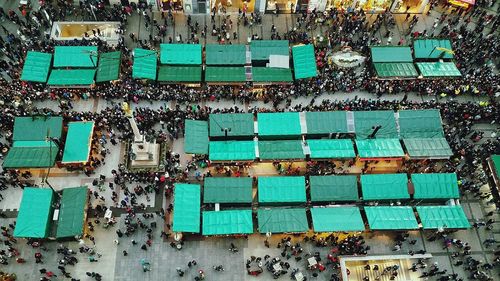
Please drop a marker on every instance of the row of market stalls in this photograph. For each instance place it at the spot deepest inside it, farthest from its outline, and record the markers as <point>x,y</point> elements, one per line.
<point>71,66</point>
<point>37,140</point>
<point>431,58</point>
<point>45,214</point>
<point>318,135</point>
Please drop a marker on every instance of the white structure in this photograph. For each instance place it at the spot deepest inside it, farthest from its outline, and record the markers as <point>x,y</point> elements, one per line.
<point>65,30</point>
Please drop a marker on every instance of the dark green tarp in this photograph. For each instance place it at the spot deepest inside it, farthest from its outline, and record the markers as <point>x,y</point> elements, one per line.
<point>445,217</point>
<point>232,150</point>
<point>145,62</point>
<point>281,125</point>
<point>391,54</point>
<point>227,190</point>
<point>379,148</point>
<point>36,67</point>
<point>186,208</point>
<point>438,69</point>
<point>365,121</point>
<point>304,61</point>
<point>433,148</point>
<point>337,219</point>
<point>237,125</point>
<point>71,77</point>
<point>262,49</point>
<point>384,186</point>
<point>196,137</point>
<point>281,150</point>
<point>395,69</point>
<point>78,142</point>
<point>35,213</point>
<point>227,222</point>
<point>168,73</point>
<point>280,220</point>
<point>435,186</point>
<point>420,124</point>
<point>271,74</point>
<point>225,74</point>
<point>327,122</point>
<point>109,67</point>
<point>391,218</point>
<point>29,154</point>
<point>225,54</point>
<point>334,188</point>
<point>496,163</point>
<point>72,212</point>
<point>180,54</point>
<point>37,128</point>
<point>331,148</point>
<point>75,56</point>
<point>426,48</point>
<point>282,189</point>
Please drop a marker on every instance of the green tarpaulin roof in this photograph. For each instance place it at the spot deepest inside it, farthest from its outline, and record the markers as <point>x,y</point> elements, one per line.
<point>282,189</point>
<point>281,150</point>
<point>334,188</point>
<point>232,151</point>
<point>225,74</point>
<point>426,48</point>
<point>379,148</point>
<point>75,56</point>
<point>438,69</point>
<point>181,54</point>
<point>225,54</point>
<point>420,124</point>
<point>145,62</point>
<point>391,54</point>
<point>365,121</point>
<point>37,128</point>
<point>227,222</point>
<point>262,49</point>
<point>186,208</point>
<point>304,61</point>
<point>34,217</point>
<point>395,69</point>
<point>196,137</point>
<point>72,212</point>
<point>331,148</point>
<point>227,190</point>
<point>279,124</point>
<point>109,67</point>
<point>30,155</point>
<point>430,186</point>
<point>326,122</point>
<point>78,142</point>
<point>437,148</point>
<point>238,125</point>
<point>496,162</point>
<point>71,77</point>
<point>384,186</point>
<point>434,217</point>
<point>391,218</point>
<point>36,67</point>
<point>271,74</point>
<point>337,219</point>
<point>168,73</point>
<point>279,220</point>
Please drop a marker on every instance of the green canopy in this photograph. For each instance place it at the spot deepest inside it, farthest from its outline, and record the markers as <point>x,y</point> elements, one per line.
<point>395,69</point>
<point>196,137</point>
<point>379,148</point>
<point>225,74</point>
<point>391,218</point>
<point>168,73</point>
<point>271,74</point>
<point>227,222</point>
<point>75,56</point>
<point>304,61</point>
<point>36,67</point>
<point>109,67</point>
<point>37,128</point>
<point>366,121</point>
<point>420,124</point>
<point>232,150</point>
<point>496,163</point>
<point>72,212</point>
<point>433,148</point>
<point>31,154</point>
<point>180,54</point>
<point>391,54</point>
<point>237,125</point>
<point>279,125</point>
<point>281,150</point>
<point>71,77</point>
<point>34,217</point>
<point>262,49</point>
<point>331,148</point>
<point>227,190</point>
<point>435,217</point>
<point>282,189</point>
<point>334,188</point>
<point>145,62</point>
<point>280,220</point>
<point>225,54</point>
<point>337,219</point>
<point>438,69</point>
<point>326,122</point>
<point>384,186</point>
<point>435,186</point>
<point>78,142</point>
<point>186,208</point>
<point>426,48</point>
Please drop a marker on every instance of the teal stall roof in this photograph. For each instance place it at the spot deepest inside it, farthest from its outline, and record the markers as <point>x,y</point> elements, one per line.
<point>34,217</point>
<point>283,124</point>
<point>432,148</point>
<point>225,54</point>
<point>379,148</point>
<point>229,74</point>
<point>334,188</point>
<point>262,49</point>
<point>228,222</point>
<point>426,48</point>
<point>232,150</point>
<point>331,148</point>
<point>326,122</point>
<point>282,220</point>
<point>337,219</point>
<point>391,218</point>
<point>446,217</point>
<point>304,61</point>
<point>78,142</point>
<point>366,121</point>
<point>145,62</point>
<point>186,208</point>
<point>435,186</point>
<point>282,189</point>
<point>391,54</point>
<point>37,128</point>
<point>169,73</point>
<point>180,54</point>
<point>196,137</point>
<point>438,69</point>
<point>420,124</point>
<point>281,150</point>
<point>36,67</point>
<point>271,74</point>
<point>237,125</point>
<point>227,190</point>
<point>109,67</point>
<point>384,186</point>
<point>395,69</point>
<point>72,212</point>
<point>75,56</point>
<point>71,77</point>
<point>28,154</point>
